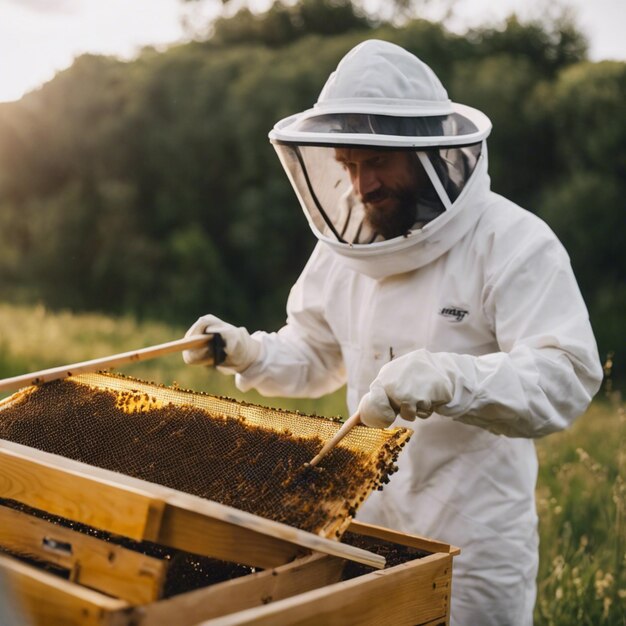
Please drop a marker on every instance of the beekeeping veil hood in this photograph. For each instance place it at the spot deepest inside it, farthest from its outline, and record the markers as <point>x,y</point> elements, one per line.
<point>383,102</point>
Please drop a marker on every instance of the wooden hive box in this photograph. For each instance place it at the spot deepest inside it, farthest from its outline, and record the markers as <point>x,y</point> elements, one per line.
<point>90,571</point>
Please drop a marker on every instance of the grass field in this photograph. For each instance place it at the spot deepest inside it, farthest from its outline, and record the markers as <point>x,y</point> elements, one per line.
<point>580,494</point>
<point>32,338</point>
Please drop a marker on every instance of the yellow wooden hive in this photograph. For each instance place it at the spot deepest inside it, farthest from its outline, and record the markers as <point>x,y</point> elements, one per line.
<point>109,515</point>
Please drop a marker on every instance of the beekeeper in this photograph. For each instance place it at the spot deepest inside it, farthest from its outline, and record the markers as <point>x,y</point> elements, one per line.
<point>430,296</point>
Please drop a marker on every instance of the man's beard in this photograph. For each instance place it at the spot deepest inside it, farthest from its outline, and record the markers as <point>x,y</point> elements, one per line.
<point>397,218</point>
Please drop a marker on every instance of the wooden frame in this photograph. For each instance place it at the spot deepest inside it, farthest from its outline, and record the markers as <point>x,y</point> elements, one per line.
<point>416,592</point>
<point>293,588</point>
<point>145,511</point>
<point>91,562</point>
<point>306,592</point>
<point>52,601</point>
<point>249,592</point>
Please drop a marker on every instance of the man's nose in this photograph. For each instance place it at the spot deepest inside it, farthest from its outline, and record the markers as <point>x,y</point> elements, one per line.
<point>366,181</point>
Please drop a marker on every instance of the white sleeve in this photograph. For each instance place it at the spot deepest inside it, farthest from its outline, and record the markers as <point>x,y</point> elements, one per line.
<point>548,368</point>
<point>303,359</point>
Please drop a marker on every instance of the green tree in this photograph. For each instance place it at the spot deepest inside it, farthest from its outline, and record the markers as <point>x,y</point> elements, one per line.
<point>284,23</point>
<point>584,202</point>
<point>500,85</point>
<point>549,45</point>
<point>150,186</point>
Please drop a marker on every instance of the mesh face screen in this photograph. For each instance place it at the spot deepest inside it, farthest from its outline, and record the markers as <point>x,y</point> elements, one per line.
<point>242,455</point>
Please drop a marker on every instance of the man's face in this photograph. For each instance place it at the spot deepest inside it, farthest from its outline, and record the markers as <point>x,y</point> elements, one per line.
<point>388,184</point>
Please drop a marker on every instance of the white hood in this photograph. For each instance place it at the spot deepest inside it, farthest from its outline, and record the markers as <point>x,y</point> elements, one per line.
<point>380,73</point>
<point>382,82</point>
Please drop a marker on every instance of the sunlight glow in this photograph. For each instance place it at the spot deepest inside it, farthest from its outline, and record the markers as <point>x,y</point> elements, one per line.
<point>41,37</point>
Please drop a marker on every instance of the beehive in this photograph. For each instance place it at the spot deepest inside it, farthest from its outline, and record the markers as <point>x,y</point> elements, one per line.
<point>122,502</point>
<point>89,581</point>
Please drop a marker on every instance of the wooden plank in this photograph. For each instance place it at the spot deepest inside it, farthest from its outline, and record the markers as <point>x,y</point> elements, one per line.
<point>414,541</point>
<point>254,590</point>
<point>75,493</point>
<point>92,562</point>
<point>192,531</point>
<point>70,494</point>
<point>192,524</point>
<point>107,362</point>
<point>180,520</point>
<point>407,594</point>
<point>48,600</point>
<point>346,427</point>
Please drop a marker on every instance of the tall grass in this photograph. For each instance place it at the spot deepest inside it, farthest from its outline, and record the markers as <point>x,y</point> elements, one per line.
<point>581,497</point>
<point>34,338</point>
<point>580,493</point>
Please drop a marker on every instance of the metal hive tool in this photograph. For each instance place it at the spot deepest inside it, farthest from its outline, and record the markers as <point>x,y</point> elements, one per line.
<point>242,455</point>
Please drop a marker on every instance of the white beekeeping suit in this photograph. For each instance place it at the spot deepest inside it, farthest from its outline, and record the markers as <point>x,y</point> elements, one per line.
<point>471,310</point>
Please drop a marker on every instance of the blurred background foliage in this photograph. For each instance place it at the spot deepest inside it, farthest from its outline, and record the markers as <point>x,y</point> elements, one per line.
<point>149,188</point>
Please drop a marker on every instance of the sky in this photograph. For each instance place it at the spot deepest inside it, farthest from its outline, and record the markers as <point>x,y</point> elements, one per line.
<point>41,37</point>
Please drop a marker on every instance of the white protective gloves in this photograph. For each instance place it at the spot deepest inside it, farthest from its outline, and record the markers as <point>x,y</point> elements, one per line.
<point>241,349</point>
<point>411,386</point>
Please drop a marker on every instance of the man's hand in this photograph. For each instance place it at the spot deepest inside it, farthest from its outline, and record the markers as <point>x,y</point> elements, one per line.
<point>241,349</point>
<point>410,386</point>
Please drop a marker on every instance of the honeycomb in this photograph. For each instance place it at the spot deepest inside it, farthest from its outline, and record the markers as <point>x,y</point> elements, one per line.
<point>238,454</point>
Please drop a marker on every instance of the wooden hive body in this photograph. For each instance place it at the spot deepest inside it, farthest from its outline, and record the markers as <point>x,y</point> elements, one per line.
<point>85,545</point>
<point>300,578</point>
